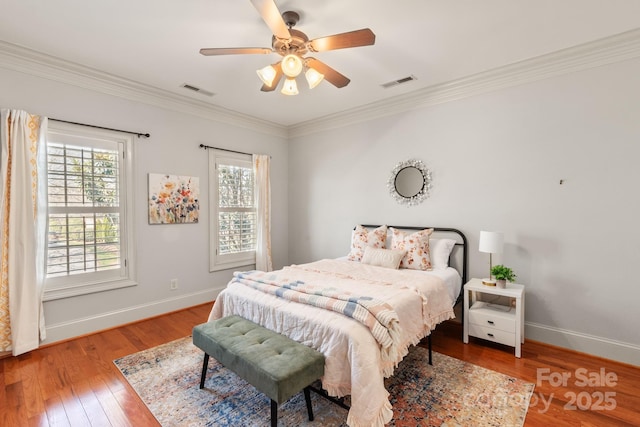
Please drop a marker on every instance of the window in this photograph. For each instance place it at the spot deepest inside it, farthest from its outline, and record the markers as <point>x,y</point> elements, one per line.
<point>233,211</point>
<point>89,200</point>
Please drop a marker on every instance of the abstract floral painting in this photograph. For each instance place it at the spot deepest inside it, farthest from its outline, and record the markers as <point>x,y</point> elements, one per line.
<point>173,199</point>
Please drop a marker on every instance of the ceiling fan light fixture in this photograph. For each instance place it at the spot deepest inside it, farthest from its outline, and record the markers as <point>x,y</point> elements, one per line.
<point>291,65</point>
<point>313,77</point>
<point>267,75</point>
<point>292,45</point>
<point>289,87</point>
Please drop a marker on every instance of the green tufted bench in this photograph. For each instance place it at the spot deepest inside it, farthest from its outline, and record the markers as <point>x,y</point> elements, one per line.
<point>274,364</point>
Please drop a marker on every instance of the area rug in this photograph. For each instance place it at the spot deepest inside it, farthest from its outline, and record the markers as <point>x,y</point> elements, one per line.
<point>449,393</point>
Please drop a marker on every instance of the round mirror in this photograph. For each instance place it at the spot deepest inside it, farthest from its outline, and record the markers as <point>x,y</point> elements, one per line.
<point>410,182</point>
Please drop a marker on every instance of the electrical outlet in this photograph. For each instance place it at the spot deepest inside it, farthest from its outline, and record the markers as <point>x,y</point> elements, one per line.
<point>173,284</point>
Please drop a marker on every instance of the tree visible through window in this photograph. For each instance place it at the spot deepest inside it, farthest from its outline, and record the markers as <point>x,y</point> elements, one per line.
<point>234,213</point>
<point>84,204</point>
<point>87,243</point>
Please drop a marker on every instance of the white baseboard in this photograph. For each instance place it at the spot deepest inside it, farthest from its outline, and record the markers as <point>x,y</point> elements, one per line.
<point>584,343</point>
<point>590,344</point>
<point>101,321</point>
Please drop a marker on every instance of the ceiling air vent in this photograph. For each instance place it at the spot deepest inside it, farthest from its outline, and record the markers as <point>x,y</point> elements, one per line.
<point>197,89</point>
<point>399,81</point>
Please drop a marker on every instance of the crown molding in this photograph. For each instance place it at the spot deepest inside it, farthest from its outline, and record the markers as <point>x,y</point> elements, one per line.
<point>620,47</point>
<point>21,59</point>
<point>617,48</point>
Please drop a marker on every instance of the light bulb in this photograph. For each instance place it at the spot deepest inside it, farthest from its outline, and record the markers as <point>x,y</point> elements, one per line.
<point>267,74</point>
<point>289,87</point>
<point>313,77</point>
<point>291,65</point>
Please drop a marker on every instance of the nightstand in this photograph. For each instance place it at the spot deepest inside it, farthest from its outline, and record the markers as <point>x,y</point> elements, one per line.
<point>493,322</point>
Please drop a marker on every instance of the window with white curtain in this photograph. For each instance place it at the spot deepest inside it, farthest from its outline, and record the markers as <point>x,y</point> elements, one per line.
<point>90,244</point>
<point>233,210</point>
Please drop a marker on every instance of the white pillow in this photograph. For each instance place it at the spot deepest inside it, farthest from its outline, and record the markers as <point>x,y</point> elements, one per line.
<point>440,252</point>
<point>387,258</point>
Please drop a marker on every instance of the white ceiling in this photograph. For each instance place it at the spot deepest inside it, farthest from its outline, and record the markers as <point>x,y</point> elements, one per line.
<point>156,42</point>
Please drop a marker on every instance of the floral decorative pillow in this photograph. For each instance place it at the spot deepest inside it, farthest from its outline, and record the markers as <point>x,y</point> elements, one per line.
<point>416,244</point>
<point>361,238</point>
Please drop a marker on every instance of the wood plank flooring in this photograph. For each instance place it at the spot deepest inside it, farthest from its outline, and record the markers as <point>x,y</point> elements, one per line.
<point>75,383</point>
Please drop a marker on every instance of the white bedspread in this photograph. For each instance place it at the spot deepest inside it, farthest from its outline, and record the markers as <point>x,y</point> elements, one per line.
<point>353,362</point>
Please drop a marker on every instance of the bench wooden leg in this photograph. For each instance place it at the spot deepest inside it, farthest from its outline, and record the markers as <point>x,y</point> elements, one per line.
<point>307,398</point>
<point>205,364</point>
<point>274,413</point>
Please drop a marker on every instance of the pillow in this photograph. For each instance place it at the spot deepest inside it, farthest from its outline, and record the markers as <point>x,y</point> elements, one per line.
<point>361,238</point>
<point>387,258</point>
<point>440,250</point>
<point>417,247</point>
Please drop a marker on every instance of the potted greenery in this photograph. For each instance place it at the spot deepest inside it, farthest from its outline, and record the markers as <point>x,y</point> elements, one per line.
<point>502,274</point>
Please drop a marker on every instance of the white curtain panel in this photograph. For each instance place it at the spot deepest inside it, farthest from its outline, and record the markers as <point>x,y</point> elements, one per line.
<point>23,183</point>
<point>262,175</point>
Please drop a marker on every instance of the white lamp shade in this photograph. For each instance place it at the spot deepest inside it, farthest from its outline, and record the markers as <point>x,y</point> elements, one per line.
<point>291,65</point>
<point>289,87</point>
<point>491,242</point>
<point>313,77</point>
<point>267,74</point>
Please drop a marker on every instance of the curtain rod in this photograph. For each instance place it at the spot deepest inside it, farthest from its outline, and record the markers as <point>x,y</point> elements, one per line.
<point>224,149</point>
<point>146,135</point>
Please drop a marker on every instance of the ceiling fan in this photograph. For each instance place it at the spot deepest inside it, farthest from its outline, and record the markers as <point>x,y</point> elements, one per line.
<point>292,45</point>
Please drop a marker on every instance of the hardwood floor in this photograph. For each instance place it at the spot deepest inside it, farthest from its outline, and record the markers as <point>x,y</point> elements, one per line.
<point>76,384</point>
<point>571,388</point>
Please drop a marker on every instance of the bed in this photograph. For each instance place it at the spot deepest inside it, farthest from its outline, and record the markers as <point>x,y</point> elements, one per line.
<point>320,304</point>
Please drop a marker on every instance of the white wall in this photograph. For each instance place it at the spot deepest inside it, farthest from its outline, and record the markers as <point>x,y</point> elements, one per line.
<point>497,161</point>
<point>164,251</point>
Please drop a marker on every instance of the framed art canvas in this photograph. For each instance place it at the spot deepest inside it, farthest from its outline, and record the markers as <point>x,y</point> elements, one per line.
<point>173,199</point>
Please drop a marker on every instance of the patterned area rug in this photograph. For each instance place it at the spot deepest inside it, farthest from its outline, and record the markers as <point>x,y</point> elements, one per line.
<point>449,393</point>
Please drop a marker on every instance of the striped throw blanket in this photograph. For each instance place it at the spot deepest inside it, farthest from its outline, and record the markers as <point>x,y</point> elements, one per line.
<point>375,314</point>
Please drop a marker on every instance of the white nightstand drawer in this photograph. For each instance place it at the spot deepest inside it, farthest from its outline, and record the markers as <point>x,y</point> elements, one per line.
<point>493,316</point>
<point>492,334</point>
<point>498,323</point>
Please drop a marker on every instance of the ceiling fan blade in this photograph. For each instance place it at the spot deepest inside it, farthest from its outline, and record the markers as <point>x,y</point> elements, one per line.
<point>272,17</point>
<point>276,79</point>
<point>364,37</point>
<point>330,75</point>
<point>235,50</point>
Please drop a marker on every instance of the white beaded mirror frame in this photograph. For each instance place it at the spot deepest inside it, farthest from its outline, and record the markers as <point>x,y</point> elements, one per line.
<point>410,182</point>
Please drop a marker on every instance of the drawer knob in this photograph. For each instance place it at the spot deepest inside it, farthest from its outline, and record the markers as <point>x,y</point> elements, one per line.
<point>491,335</point>
<point>490,322</point>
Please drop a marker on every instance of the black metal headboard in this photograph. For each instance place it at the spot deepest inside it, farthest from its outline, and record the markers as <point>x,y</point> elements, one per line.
<point>463,245</point>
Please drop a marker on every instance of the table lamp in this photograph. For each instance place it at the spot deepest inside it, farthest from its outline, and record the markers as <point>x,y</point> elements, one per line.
<point>491,242</point>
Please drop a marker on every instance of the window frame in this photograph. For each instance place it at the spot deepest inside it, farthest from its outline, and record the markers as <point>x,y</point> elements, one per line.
<point>219,262</point>
<point>66,286</point>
